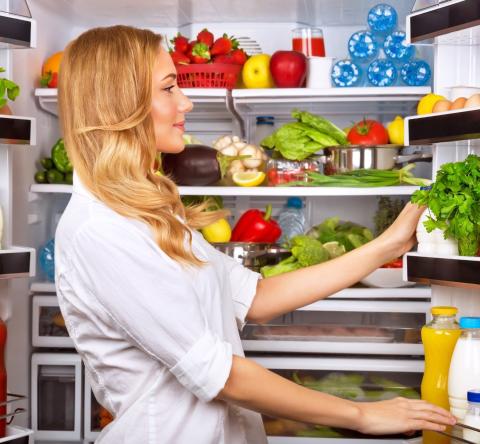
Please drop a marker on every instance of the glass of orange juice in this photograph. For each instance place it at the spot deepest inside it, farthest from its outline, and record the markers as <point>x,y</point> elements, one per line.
<point>309,41</point>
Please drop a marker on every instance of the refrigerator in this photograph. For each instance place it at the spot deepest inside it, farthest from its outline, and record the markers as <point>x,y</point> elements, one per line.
<point>315,344</point>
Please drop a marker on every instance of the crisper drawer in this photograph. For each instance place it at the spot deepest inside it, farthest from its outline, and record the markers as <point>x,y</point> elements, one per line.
<point>96,417</point>
<point>354,379</point>
<point>343,327</point>
<point>48,325</point>
<point>56,396</point>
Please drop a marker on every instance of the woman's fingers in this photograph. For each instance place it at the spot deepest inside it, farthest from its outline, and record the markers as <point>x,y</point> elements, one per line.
<point>427,425</point>
<point>427,407</point>
<point>429,416</point>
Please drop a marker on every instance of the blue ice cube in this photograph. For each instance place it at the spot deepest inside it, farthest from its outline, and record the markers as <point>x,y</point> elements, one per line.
<point>381,72</point>
<point>346,73</point>
<point>47,259</point>
<point>362,46</point>
<point>382,19</point>
<point>396,48</point>
<point>416,72</point>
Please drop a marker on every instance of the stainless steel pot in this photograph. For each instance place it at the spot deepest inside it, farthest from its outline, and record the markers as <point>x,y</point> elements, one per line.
<point>253,255</point>
<point>343,159</point>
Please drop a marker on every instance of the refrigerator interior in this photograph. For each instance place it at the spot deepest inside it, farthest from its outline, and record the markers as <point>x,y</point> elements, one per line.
<point>31,217</point>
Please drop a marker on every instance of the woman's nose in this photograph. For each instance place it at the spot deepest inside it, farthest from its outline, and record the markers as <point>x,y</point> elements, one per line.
<point>185,105</point>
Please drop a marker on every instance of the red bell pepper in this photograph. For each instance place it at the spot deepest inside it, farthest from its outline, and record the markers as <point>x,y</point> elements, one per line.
<point>256,226</point>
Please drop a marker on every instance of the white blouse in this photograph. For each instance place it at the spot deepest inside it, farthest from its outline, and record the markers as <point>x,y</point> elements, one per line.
<point>156,339</point>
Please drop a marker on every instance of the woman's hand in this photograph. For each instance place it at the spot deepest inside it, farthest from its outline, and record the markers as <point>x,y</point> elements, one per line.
<point>401,415</point>
<point>399,238</point>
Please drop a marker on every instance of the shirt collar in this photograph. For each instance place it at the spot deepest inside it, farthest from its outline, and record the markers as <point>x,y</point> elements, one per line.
<point>79,188</point>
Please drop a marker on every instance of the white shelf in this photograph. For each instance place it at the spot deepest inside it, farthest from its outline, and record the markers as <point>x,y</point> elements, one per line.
<point>384,293</point>
<point>51,188</point>
<point>18,434</point>
<point>368,306</point>
<point>17,130</point>
<point>332,347</point>
<point>48,99</point>
<point>261,191</point>
<point>349,293</point>
<point>399,93</point>
<point>42,287</point>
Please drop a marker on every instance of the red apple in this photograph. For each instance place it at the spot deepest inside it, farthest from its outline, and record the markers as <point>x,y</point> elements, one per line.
<point>288,68</point>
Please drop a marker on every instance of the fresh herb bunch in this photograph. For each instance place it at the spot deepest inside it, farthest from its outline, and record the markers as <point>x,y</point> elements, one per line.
<point>387,211</point>
<point>454,201</point>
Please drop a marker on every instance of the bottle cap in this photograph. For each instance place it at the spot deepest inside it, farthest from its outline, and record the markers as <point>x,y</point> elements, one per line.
<point>473,395</point>
<point>467,322</point>
<point>294,202</point>
<point>444,311</point>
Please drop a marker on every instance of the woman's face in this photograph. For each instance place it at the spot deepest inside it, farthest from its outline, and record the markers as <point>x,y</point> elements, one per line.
<point>169,106</point>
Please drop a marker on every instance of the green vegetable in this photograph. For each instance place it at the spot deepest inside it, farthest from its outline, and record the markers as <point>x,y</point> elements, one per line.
<point>388,210</point>
<point>299,140</point>
<point>9,87</point>
<point>364,178</point>
<point>348,234</point>
<point>55,176</point>
<point>47,163</point>
<point>69,178</point>
<point>41,177</point>
<point>321,124</point>
<point>60,157</point>
<point>454,203</point>
<point>305,252</point>
<point>337,384</point>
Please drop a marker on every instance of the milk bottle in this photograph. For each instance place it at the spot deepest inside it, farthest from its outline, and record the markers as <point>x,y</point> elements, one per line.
<point>464,374</point>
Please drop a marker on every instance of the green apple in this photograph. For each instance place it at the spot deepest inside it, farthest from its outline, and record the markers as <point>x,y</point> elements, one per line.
<point>256,72</point>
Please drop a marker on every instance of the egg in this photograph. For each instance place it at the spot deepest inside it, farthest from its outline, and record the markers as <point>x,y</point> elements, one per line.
<point>441,106</point>
<point>473,101</point>
<point>458,103</point>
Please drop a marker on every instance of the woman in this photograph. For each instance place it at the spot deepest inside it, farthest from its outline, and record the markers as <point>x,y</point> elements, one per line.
<point>152,308</point>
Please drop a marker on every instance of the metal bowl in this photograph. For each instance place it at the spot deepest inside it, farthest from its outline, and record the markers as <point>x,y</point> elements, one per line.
<point>253,255</point>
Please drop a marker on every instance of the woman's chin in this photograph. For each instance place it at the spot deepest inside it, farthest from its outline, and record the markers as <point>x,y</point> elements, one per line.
<point>172,148</point>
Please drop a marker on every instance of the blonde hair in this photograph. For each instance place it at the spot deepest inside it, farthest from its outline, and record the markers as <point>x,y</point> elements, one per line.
<point>105,95</point>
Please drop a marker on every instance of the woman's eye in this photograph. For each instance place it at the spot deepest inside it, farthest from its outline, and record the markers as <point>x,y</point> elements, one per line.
<point>169,89</point>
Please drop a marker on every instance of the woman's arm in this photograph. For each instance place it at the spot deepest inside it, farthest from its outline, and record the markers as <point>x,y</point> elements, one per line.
<point>256,388</point>
<point>284,293</point>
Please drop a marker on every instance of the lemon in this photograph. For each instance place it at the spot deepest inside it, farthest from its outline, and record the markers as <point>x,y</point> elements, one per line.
<point>395,131</point>
<point>334,249</point>
<point>426,103</point>
<point>219,231</point>
<point>248,178</point>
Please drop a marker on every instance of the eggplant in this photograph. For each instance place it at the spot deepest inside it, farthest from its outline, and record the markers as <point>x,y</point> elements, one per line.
<point>197,165</point>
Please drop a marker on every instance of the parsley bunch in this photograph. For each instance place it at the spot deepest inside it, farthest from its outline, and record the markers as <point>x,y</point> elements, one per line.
<point>454,201</point>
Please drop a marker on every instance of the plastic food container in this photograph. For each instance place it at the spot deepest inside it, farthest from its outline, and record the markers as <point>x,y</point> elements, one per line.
<point>281,171</point>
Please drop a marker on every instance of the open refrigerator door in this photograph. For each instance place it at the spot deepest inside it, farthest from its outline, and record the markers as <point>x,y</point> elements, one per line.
<point>365,332</point>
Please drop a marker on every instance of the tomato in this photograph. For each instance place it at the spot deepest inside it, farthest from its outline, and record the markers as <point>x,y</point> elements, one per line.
<point>272,177</point>
<point>368,132</point>
<point>397,263</point>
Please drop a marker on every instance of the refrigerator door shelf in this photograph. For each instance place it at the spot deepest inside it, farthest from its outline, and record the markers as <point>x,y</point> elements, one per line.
<point>449,126</point>
<point>17,31</point>
<point>17,262</point>
<point>17,130</point>
<point>450,271</point>
<point>445,18</point>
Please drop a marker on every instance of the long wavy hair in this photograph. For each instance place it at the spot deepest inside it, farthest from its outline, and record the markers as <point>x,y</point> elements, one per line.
<point>105,99</point>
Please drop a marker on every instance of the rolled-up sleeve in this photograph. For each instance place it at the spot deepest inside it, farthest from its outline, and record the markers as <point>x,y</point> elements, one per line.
<point>152,299</point>
<point>243,284</point>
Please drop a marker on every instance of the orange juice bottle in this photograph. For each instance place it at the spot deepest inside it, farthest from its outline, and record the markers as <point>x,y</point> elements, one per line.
<point>439,338</point>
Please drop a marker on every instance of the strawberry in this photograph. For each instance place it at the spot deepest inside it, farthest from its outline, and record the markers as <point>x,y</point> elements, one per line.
<point>239,56</point>
<point>200,53</point>
<point>180,43</point>
<point>224,58</point>
<point>50,80</point>
<point>179,58</point>
<point>223,45</point>
<point>205,36</point>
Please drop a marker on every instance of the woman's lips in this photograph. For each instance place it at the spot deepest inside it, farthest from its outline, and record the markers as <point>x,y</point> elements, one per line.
<point>180,126</point>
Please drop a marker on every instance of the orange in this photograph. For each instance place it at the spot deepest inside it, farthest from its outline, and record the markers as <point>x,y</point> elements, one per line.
<point>52,64</point>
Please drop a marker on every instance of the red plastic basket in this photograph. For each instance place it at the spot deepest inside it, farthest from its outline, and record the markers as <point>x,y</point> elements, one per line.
<point>211,75</point>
